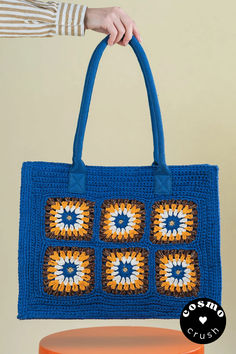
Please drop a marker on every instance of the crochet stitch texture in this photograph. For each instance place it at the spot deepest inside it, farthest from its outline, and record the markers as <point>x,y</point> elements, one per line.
<point>117,242</point>
<point>43,180</point>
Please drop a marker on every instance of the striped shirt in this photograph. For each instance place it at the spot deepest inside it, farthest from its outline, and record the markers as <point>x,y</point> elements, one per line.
<point>35,18</point>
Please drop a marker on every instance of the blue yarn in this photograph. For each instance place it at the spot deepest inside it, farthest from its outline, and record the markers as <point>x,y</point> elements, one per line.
<point>71,215</point>
<point>41,181</point>
<point>77,176</point>
<point>177,269</point>
<point>173,219</point>
<point>121,218</point>
<point>65,271</point>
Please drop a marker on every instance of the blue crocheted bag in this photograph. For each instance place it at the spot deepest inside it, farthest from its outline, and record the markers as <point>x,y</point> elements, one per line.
<point>117,242</point>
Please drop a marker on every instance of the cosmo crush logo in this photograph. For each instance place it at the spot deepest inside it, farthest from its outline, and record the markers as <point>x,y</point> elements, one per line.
<point>203,321</point>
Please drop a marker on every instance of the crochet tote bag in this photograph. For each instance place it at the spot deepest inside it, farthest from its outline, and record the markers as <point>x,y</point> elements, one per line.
<point>117,242</point>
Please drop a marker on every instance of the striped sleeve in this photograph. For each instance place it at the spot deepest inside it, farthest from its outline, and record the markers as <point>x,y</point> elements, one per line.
<point>35,18</point>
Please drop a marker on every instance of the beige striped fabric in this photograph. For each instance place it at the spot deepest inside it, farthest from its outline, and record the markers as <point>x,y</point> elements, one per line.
<point>35,18</point>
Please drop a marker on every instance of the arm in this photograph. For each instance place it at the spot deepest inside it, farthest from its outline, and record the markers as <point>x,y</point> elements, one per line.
<point>113,21</point>
<point>35,18</point>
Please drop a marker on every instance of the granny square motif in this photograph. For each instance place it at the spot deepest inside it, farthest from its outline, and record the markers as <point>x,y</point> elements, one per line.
<point>116,279</point>
<point>125,271</point>
<point>68,270</point>
<point>173,221</point>
<point>69,218</point>
<point>177,272</point>
<point>117,242</point>
<point>122,221</point>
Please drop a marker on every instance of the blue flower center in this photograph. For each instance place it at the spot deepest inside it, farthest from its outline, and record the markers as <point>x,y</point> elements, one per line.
<point>69,270</point>
<point>125,270</point>
<point>178,272</point>
<point>69,218</point>
<point>172,222</point>
<point>121,221</point>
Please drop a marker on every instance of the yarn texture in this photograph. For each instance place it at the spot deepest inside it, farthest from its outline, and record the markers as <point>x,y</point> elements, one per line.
<point>43,180</point>
<point>117,242</point>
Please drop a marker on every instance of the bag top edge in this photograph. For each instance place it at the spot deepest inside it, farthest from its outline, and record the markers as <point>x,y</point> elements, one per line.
<point>67,165</point>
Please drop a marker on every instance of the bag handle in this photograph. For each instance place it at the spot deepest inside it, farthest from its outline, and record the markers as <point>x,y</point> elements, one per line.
<point>77,174</point>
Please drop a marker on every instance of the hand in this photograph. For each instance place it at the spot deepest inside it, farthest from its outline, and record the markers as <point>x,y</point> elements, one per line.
<point>113,21</point>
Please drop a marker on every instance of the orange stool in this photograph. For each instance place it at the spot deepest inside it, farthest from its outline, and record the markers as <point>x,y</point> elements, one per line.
<point>125,340</point>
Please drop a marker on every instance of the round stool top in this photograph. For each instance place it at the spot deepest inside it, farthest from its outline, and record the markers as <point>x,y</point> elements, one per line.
<point>104,340</point>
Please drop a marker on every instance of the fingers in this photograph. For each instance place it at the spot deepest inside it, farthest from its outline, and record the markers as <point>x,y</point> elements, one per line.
<point>129,31</point>
<point>113,33</point>
<point>120,30</point>
<point>121,27</point>
<point>136,32</point>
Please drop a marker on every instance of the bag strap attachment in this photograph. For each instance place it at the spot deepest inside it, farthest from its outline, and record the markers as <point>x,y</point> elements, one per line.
<point>161,172</point>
